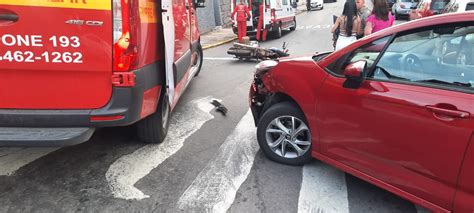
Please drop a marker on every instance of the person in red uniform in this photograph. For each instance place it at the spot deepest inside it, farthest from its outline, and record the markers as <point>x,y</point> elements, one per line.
<point>242,15</point>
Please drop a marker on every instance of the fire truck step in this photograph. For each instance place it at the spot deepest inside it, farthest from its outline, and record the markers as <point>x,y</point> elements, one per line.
<point>20,136</point>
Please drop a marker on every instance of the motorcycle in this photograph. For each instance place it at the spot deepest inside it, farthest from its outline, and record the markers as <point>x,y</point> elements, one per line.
<point>254,51</point>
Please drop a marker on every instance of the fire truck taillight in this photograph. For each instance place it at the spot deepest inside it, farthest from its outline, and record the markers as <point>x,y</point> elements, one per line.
<point>126,28</point>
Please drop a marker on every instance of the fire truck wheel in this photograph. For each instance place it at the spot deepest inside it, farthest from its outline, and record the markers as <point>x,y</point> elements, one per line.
<point>153,129</point>
<point>278,31</point>
<point>293,28</point>
<point>198,62</point>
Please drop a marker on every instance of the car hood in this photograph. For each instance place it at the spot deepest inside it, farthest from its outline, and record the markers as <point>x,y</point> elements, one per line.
<point>308,57</point>
<point>296,64</point>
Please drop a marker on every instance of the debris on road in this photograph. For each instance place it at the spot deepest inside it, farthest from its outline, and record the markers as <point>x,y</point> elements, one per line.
<point>219,107</point>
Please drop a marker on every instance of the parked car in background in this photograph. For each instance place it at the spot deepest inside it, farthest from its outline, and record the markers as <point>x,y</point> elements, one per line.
<point>402,8</point>
<point>394,109</point>
<point>459,6</point>
<point>317,4</point>
<point>427,8</point>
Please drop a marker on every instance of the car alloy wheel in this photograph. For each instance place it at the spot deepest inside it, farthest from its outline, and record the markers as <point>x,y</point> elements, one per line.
<point>284,135</point>
<point>288,137</point>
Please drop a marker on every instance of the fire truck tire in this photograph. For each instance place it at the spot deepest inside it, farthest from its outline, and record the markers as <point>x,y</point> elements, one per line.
<point>198,63</point>
<point>153,129</point>
<point>278,31</point>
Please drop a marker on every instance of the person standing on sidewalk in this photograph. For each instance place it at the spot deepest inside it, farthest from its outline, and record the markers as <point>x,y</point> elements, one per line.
<point>348,24</point>
<point>243,15</point>
<point>363,12</point>
<point>380,19</point>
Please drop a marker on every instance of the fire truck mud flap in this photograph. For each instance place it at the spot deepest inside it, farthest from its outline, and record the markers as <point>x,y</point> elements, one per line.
<point>46,137</point>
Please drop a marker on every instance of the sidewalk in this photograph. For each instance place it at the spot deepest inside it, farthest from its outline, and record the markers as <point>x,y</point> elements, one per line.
<point>220,36</point>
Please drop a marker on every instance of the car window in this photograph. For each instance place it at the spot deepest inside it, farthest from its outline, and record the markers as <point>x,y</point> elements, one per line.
<point>285,2</point>
<point>368,52</point>
<point>470,6</point>
<point>438,4</point>
<point>440,57</point>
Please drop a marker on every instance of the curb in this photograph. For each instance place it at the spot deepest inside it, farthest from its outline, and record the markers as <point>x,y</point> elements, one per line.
<point>218,43</point>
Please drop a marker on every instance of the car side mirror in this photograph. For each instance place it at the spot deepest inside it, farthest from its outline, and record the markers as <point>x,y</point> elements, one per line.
<point>200,3</point>
<point>354,74</point>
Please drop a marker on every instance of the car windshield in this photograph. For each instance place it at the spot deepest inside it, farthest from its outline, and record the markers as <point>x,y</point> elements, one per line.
<point>438,4</point>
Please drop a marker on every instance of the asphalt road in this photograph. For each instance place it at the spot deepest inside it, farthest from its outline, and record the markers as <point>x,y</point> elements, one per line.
<point>208,163</point>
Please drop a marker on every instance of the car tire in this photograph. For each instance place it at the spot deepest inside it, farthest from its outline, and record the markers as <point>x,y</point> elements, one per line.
<point>200,57</point>
<point>278,32</point>
<point>154,128</point>
<point>268,135</point>
<point>293,28</point>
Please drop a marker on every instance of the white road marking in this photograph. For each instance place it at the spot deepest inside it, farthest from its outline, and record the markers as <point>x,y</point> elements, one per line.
<point>215,187</point>
<point>129,169</point>
<point>12,159</point>
<point>313,27</point>
<point>323,190</point>
<point>220,59</point>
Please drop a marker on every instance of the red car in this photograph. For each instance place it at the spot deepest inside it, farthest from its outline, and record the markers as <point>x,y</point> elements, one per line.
<point>395,109</point>
<point>70,67</point>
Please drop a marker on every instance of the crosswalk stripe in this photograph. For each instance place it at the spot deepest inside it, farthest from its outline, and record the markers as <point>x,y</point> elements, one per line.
<point>215,187</point>
<point>323,189</point>
<point>129,169</point>
<point>12,159</point>
<point>314,27</point>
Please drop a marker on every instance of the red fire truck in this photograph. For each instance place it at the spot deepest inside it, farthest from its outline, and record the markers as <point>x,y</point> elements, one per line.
<point>69,67</point>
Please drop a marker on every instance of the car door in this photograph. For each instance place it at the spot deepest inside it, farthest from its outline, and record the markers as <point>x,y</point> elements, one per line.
<point>286,11</point>
<point>182,48</point>
<point>177,37</point>
<point>465,193</point>
<point>409,123</point>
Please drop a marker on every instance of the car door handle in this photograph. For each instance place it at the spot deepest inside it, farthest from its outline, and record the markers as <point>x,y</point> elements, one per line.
<point>448,112</point>
<point>8,17</point>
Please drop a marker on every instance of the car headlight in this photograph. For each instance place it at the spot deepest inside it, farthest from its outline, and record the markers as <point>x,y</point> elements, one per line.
<point>264,66</point>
